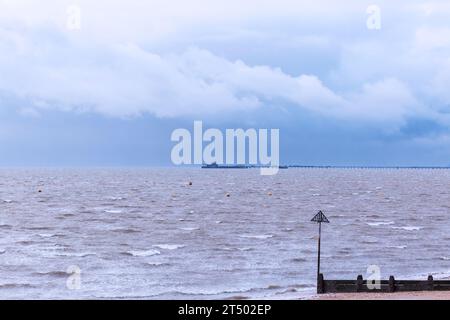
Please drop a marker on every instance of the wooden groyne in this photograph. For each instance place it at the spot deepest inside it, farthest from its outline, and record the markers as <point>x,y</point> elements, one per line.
<point>391,285</point>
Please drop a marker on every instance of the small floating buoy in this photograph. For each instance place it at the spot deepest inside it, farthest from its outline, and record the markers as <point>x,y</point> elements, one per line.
<point>190,183</point>
<point>39,190</point>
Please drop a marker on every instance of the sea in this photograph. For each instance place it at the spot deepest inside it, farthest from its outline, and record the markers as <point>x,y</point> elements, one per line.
<point>192,233</point>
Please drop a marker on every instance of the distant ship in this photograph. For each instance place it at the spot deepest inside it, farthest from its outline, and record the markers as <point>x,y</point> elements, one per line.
<point>214,165</point>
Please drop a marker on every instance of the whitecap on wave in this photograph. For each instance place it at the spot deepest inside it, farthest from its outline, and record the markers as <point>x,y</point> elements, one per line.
<point>257,236</point>
<point>143,253</point>
<point>379,223</point>
<point>189,228</point>
<point>169,246</point>
<point>46,235</point>
<point>408,228</point>
<point>115,198</point>
<point>75,254</point>
<point>113,211</point>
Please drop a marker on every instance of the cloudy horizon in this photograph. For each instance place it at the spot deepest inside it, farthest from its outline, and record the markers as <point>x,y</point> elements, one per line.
<point>110,90</point>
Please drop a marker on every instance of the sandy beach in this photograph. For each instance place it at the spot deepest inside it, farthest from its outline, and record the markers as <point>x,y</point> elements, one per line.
<point>422,295</point>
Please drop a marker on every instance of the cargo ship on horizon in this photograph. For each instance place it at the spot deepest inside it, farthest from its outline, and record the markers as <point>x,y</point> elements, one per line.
<point>214,165</point>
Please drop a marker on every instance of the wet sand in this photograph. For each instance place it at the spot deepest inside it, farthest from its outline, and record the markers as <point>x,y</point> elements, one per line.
<point>418,295</point>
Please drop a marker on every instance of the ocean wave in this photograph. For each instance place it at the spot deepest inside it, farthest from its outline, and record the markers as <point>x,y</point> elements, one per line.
<point>225,249</point>
<point>46,235</point>
<point>16,286</point>
<point>115,198</point>
<point>397,247</point>
<point>157,264</point>
<point>209,292</point>
<point>370,240</point>
<point>38,228</point>
<point>299,260</point>
<point>143,253</point>
<point>169,246</point>
<point>244,293</point>
<point>189,228</point>
<point>238,298</point>
<point>70,214</point>
<point>408,228</point>
<point>75,254</point>
<point>234,249</point>
<point>56,274</point>
<point>25,242</point>
<point>337,215</point>
<point>380,223</point>
<point>125,230</point>
<point>444,258</point>
<point>257,236</point>
<point>113,211</point>
<point>273,286</point>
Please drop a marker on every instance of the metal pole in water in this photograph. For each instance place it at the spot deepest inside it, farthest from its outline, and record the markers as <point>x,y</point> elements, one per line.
<point>319,218</point>
<point>318,252</point>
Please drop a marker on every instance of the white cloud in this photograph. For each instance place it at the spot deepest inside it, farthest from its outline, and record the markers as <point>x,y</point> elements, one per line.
<point>115,65</point>
<point>128,80</point>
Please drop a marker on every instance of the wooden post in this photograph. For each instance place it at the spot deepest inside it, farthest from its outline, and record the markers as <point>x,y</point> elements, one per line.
<point>359,283</point>
<point>391,284</point>
<point>320,284</point>
<point>430,283</point>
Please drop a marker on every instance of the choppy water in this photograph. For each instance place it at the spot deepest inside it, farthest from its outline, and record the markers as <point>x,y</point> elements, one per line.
<point>147,233</point>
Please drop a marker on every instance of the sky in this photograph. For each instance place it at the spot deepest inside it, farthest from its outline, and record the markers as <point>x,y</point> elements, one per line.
<point>100,83</point>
